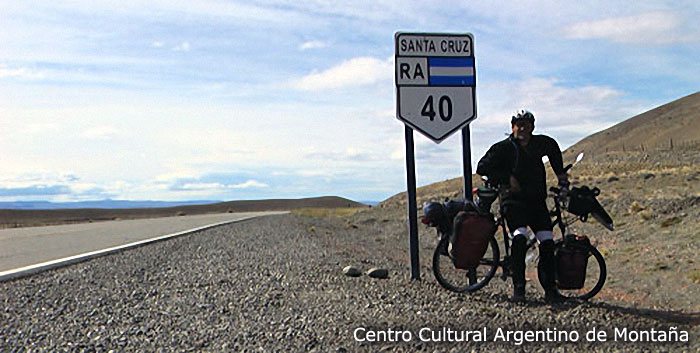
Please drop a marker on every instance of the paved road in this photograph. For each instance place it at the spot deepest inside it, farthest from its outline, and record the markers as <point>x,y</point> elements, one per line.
<point>22,247</point>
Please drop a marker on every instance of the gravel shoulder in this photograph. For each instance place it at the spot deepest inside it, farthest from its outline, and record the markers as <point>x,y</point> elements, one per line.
<point>274,284</point>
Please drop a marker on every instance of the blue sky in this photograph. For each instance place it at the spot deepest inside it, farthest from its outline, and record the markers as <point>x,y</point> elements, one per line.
<point>226,100</point>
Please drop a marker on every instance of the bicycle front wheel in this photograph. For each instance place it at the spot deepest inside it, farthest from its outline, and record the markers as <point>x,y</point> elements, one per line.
<point>460,280</point>
<point>595,271</point>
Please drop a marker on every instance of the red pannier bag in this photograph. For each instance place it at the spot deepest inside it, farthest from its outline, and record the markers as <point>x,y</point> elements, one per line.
<point>470,238</point>
<point>571,265</point>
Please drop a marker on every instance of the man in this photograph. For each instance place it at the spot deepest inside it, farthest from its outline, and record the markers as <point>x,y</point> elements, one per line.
<point>517,163</point>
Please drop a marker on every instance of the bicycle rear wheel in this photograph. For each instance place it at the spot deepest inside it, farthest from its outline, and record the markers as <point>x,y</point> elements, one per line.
<point>459,280</point>
<point>595,274</point>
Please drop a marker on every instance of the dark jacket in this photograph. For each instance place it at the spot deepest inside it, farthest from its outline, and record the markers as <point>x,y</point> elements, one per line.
<point>525,163</point>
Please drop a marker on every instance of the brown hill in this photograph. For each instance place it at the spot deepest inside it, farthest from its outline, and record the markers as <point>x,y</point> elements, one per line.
<point>25,218</point>
<point>671,125</point>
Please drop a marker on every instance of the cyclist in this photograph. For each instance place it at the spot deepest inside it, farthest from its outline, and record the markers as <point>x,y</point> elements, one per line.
<point>516,163</point>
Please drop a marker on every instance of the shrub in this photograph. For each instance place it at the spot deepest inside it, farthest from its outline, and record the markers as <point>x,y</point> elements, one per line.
<point>694,276</point>
<point>670,221</point>
<point>636,207</point>
<point>646,215</point>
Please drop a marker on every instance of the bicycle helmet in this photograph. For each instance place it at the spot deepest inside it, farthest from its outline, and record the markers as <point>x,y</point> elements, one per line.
<point>523,115</point>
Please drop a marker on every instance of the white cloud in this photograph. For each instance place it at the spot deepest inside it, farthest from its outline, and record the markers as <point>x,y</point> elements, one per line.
<point>552,102</point>
<point>248,184</point>
<point>314,173</point>
<point>157,44</point>
<point>645,28</point>
<point>21,73</point>
<point>220,187</point>
<point>202,186</point>
<point>351,73</point>
<point>314,44</point>
<point>39,127</point>
<point>100,132</point>
<point>176,175</point>
<point>184,46</point>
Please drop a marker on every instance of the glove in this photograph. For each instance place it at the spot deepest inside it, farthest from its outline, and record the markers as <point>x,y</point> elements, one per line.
<point>563,186</point>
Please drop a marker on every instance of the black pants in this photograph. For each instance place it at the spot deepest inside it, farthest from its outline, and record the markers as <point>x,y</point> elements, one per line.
<point>532,213</point>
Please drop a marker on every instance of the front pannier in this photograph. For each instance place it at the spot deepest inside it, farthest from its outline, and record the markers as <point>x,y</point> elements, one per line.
<point>470,238</point>
<point>572,262</point>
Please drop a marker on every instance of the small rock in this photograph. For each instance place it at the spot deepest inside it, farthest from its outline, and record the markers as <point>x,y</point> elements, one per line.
<point>612,178</point>
<point>378,272</point>
<point>352,271</point>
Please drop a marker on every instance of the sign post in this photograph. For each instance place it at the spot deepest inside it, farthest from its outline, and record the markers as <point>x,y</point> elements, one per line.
<point>435,77</point>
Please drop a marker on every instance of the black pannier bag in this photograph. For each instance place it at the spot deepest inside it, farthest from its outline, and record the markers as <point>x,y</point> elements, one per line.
<point>572,262</point>
<point>470,238</point>
<point>582,202</point>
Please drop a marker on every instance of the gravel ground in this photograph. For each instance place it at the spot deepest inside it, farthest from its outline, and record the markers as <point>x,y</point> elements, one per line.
<point>274,284</point>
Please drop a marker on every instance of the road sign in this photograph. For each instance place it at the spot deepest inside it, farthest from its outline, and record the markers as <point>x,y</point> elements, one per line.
<point>436,82</point>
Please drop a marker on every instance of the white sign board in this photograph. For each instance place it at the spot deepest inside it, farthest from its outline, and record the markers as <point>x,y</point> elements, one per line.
<point>435,82</point>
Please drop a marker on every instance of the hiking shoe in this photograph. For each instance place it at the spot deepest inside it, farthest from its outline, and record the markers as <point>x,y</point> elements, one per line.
<point>444,251</point>
<point>518,294</point>
<point>554,297</point>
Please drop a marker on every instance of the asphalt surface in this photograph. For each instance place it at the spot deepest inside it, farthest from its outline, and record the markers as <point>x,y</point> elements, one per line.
<point>20,247</point>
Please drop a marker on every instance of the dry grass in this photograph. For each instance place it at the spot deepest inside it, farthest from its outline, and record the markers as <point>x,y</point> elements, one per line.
<point>327,212</point>
<point>636,207</point>
<point>694,276</point>
<point>646,215</point>
<point>670,222</point>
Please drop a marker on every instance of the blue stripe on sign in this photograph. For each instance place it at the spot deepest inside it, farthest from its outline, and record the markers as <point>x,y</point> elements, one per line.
<point>452,80</point>
<point>451,62</point>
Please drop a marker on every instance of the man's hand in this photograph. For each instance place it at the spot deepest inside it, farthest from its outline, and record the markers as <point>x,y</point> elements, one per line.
<point>563,185</point>
<point>514,184</point>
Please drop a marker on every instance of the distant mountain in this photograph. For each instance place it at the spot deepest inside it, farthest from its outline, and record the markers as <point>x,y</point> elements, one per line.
<point>101,204</point>
<point>674,124</point>
<point>80,212</point>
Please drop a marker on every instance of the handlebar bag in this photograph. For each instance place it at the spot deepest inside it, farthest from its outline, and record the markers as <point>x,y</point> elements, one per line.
<point>470,238</point>
<point>571,263</point>
<point>581,201</point>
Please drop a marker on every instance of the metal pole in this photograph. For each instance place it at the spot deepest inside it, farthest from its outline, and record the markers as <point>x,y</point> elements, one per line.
<point>412,209</point>
<point>467,169</point>
<point>467,162</point>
